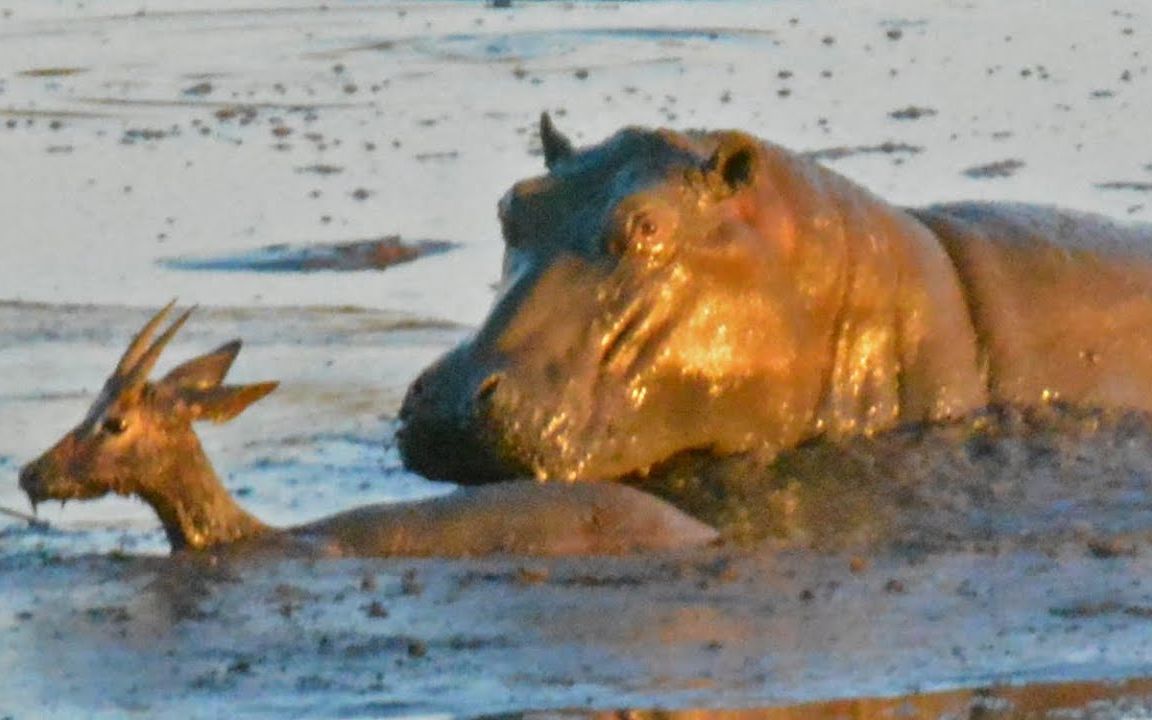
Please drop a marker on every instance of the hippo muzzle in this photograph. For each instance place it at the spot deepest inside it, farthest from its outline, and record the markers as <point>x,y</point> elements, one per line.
<point>445,433</point>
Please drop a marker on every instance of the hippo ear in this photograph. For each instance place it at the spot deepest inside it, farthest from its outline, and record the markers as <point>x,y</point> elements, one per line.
<point>556,146</point>
<point>734,164</point>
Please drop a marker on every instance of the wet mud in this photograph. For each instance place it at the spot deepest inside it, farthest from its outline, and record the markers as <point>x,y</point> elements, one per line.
<point>723,629</point>
<point>998,169</point>
<point>1002,477</point>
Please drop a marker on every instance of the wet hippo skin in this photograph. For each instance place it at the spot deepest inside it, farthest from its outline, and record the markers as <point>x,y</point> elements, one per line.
<point>668,292</point>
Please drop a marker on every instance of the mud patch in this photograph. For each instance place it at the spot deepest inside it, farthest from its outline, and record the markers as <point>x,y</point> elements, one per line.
<point>377,254</point>
<point>51,72</point>
<point>1126,185</point>
<point>999,169</point>
<point>844,151</point>
<point>1002,478</point>
<point>912,112</point>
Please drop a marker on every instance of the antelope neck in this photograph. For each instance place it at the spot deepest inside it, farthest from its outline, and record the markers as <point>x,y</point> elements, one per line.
<point>193,505</point>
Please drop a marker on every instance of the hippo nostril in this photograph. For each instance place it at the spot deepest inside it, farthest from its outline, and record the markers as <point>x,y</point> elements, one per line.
<point>412,398</point>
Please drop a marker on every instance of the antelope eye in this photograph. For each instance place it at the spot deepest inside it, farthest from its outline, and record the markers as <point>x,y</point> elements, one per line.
<point>114,425</point>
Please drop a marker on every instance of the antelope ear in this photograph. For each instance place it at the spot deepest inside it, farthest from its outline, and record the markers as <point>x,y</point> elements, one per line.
<point>204,372</point>
<point>224,402</point>
<point>735,163</point>
<point>557,147</point>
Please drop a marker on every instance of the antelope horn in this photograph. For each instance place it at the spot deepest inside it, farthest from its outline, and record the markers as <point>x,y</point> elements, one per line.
<point>139,344</point>
<point>147,360</point>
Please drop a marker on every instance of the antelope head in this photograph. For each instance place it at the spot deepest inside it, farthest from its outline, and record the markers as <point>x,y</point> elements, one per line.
<point>138,435</point>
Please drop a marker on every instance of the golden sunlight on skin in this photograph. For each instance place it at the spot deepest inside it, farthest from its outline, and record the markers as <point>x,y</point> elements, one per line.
<point>680,292</point>
<point>720,350</point>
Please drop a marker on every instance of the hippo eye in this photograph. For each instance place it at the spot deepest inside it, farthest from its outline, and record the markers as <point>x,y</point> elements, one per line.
<point>639,226</point>
<point>114,425</point>
<point>644,226</point>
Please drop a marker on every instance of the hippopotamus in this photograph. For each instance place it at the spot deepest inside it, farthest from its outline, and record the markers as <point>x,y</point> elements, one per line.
<point>667,292</point>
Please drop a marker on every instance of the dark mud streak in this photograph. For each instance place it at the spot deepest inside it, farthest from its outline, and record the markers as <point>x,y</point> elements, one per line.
<point>1125,185</point>
<point>52,72</point>
<point>844,151</point>
<point>378,254</point>
<point>284,106</point>
<point>912,112</point>
<point>999,169</point>
<point>51,114</point>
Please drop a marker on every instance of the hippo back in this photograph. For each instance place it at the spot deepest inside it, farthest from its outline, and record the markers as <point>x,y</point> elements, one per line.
<point>1061,301</point>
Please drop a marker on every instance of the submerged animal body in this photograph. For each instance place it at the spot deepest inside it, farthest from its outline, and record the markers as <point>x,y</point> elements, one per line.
<point>137,439</point>
<point>669,292</point>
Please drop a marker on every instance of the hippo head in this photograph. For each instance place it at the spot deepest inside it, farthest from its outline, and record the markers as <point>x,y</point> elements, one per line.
<point>666,292</point>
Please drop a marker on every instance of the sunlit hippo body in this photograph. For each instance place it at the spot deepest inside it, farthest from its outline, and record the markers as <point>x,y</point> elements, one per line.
<point>666,292</point>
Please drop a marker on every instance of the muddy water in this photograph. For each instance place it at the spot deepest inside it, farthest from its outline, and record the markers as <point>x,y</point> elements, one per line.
<point>1009,554</point>
<point>994,571</point>
<point>107,636</point>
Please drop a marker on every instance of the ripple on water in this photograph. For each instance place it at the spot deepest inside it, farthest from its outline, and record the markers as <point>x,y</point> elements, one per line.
<point>536,44</point>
